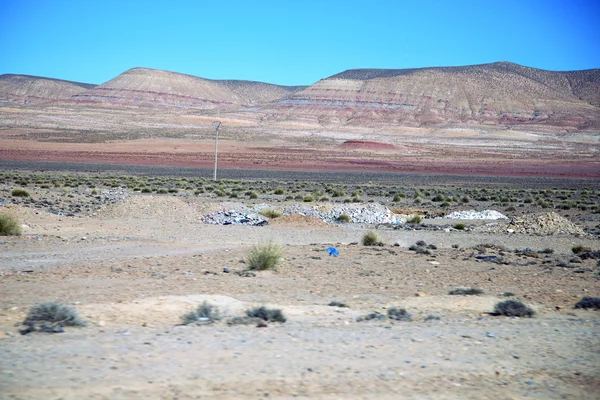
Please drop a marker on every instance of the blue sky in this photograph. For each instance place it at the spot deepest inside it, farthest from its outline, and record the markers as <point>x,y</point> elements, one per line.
<point>290,42</point>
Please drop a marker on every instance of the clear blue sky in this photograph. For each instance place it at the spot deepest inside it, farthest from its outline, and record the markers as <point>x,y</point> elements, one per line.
<point>290,42</point>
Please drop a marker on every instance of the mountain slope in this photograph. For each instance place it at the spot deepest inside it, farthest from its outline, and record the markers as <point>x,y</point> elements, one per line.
<point>149,87</point>
<point>498,93</point>
<point>29,89</point>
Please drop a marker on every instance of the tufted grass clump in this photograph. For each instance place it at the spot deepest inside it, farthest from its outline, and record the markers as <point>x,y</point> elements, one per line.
<point>206,313</point>
<point>270,213</point>
<point>264,257</point>
<point>9,225</point>
<point>513,308</point>
<point>266,314</point>
<point>20,193</point>
<point>369,239</point>
<point>466,291</point>
<point>51,316</point>
<point>415,219</point>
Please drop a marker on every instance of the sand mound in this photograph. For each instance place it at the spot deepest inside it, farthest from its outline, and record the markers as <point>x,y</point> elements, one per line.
<point>542,224</point>
<point>299,220</point>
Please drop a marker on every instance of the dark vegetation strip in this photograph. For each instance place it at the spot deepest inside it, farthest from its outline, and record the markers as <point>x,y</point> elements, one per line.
<point>316,176</point>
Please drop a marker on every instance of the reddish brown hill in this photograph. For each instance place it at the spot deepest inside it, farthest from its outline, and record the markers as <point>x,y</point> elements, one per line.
<point>498,93</point>
<point>27,89</point>
<point>149,87</point>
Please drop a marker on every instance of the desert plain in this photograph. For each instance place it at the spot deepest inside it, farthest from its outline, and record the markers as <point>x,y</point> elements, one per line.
<point>133,263</point>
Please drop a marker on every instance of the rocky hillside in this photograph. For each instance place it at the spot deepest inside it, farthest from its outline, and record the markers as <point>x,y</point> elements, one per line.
<point>498,93</point>
<point>26,89</point>
<point>157,88</point>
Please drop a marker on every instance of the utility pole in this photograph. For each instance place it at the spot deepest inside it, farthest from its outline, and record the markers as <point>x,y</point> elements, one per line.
<point>217,125</point>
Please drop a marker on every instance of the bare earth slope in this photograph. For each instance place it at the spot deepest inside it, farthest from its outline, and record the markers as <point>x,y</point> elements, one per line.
<point>498,119</point>
<point>498,93</point>
<point>27,89</point>
<point>150,87</point>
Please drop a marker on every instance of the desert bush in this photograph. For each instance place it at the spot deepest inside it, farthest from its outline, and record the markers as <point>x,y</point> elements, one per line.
<point>344,218</point>
<point>20,193</point>
<point>9,225</point>
<point>253,195</point>
<point>336,303</point>
<point>206,313</point>
<point>270,213</point>
<point>513,308</point>
<point>264,257</point>
<point>398,197</point>
<point>54,314</point>
<point>308,198</point>
<point>162,191</point>
<point>466,291</point>
<point>580,249</point>
<point>460,227</point>
<point>398,314</point>
<point>279,191</point>
<point>266,314</point>
<point>146,190</point>
<point>337,193</point>
<point>589,302</point>
<point>371,316</point>
<point>415,219</point>
<point>432,317</point>
<point>369,238</point>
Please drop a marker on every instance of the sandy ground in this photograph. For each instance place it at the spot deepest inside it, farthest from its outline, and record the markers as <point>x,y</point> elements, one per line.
<point>132,273</point>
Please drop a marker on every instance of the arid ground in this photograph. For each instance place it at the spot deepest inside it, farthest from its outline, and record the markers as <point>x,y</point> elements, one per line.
<point>133,261</point>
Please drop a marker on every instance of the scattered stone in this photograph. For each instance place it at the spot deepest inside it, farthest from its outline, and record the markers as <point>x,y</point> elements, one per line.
<point>541,224</point>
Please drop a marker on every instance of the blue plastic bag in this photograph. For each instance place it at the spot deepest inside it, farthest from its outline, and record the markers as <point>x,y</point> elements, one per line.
<point>333,251</point>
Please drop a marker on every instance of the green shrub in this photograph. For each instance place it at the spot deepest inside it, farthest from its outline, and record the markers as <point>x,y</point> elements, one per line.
<point>206,313</point>
<point>279,191</point>
<point>580,249</point>
<point>269,213</point>
<point>266,314</point>
<point>415,219</point>
<point>308,198</point>
<point>369,238</point>
<point>20,193</point>
<point>460,227</point>
<point>146,190</point>
<point>264,257</point>
<point>162,191</point>
<point>398,197</point>
<point>9,225</point>
<point>54,314</point>
<point>253,195</point>
<point>343,218</point>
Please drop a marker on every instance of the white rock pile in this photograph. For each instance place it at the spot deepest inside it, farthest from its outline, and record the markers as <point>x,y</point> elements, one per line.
<point>358,213</point>
<point>472,214</point>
